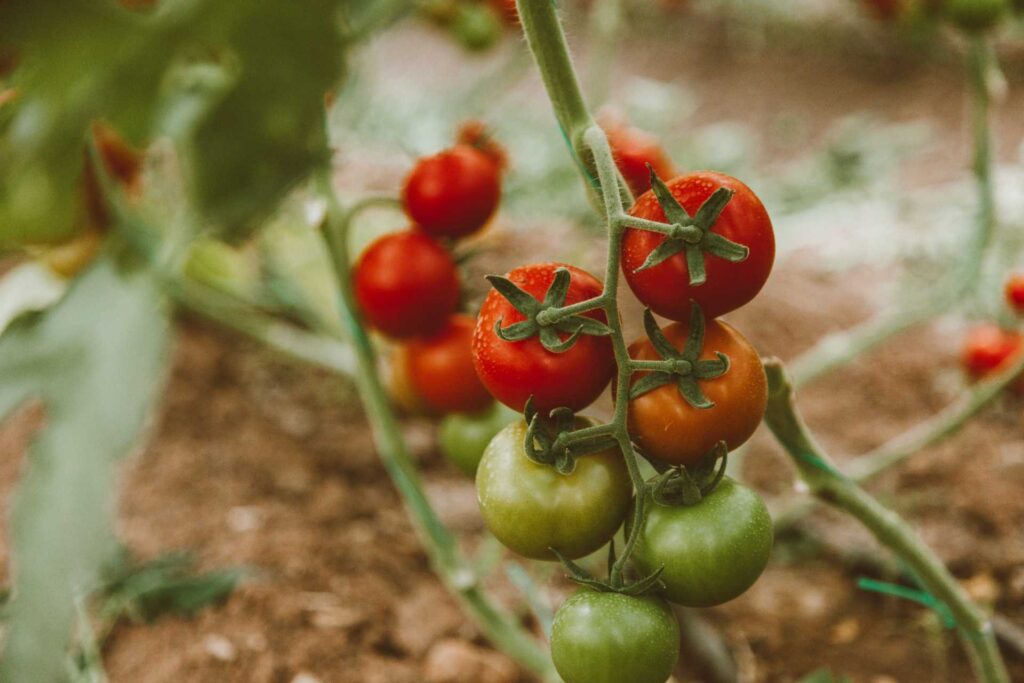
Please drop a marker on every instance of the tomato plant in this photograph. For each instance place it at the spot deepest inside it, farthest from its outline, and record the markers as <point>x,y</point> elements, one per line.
<point>721,256</point>
<point>406,284</point>
<point>599,637</point>
<point>533,508</point>
<point>453,193</point>
<point>559,367</point>
<point>671,422</point>
<point>712,551</point>
<point>634,150</point>
<point>463,437</point>
<point>440,369</point>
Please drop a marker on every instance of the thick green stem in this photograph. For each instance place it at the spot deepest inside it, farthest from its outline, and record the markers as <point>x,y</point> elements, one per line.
<point>829,485</point>
<point>836,350</point>
<point>439,542</point>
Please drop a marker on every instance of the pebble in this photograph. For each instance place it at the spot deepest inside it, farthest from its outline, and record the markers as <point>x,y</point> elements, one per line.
<point>219,647</point>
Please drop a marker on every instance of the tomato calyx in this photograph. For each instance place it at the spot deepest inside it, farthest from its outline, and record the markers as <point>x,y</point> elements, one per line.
<point>547,319</point>
<point>692,234</point>
<point>680,486</point>
<point>642,586</point>
<point>684,368</point>
<point>557,443</point>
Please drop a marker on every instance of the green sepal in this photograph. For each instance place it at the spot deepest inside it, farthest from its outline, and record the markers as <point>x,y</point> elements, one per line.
<point>649,382</point>
<point>658,339</point>
<point>690,390</point>
<point>649,583</point>
<point>726,249</point>
<point>520,300</point>
<point>558,290</point>
<point>550,340</point>
<point>515,332</point>
<point>664,251</point>
<point>679,485</point>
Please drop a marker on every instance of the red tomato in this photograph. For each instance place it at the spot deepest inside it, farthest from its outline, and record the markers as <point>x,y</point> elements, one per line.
<point>406,284</point>
<point>671,430</point>
<point>666,288</point>
<point>453,193</point>
<point>440,369</point>
<point>633,149</point>
<point>989,349</point>
<point>1015,293</point>
<point>507,10</point>
<point>513,371</point>
<point>476,134</point>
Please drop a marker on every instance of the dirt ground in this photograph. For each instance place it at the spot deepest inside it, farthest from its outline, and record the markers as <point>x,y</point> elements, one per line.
<point>258,461</point>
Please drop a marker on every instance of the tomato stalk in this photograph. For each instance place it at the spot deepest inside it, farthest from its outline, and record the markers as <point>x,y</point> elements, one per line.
<point>441,545</point>
<point>836,350</point>
<point>828,484</point>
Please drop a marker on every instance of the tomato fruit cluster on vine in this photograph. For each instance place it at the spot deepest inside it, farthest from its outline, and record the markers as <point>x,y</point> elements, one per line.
<point>557,485</point>
<point>408,288</point>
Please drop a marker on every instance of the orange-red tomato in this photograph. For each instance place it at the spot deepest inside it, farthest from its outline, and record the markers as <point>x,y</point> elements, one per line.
<point>633,150</point>
<point>453,193</point>
<point>669,429</point>
<point>1015,293</point>
<point>439,369</point>
<point>989,349</point>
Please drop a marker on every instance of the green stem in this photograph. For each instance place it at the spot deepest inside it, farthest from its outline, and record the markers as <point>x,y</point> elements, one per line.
<point>504,632</point>
<point>922,435</point>
<point>829,485</point>
<point>551,316</point>
<point>839,349</point>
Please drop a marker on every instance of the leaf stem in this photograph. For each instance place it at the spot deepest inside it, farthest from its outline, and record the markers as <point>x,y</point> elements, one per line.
<point>829,485</point>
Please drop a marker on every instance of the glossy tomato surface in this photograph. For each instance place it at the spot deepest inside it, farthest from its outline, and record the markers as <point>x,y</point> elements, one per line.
<point>633,149</point>
<point>514,371</point>
<point>463,437</point>
<point>712,551</point>
<point>614,638</point>
<point>453,193</point>
<point>531,508</point>
<point>671,430</point>
<point>440,369</point>
<point>666,288</point>
<point>1015,293</point>
<point>406,284</point>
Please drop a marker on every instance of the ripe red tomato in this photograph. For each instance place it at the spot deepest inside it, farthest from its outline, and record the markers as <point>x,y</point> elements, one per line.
<point>671,430</point>
<point>990,349</point>
<point>406,284</point>
<point>507,10</point>
<point>453,193</point>
<point>666,287</point>
<point>440,369</point>
<point>1015,293</point>
<point>476,134</point>
<point>633,149</point>
<point>514,371</point>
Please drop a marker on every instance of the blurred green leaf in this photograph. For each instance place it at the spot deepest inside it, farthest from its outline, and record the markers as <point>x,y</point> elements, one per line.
<point>240,86</point>
<point>823,675</point>
<point>96,361</point>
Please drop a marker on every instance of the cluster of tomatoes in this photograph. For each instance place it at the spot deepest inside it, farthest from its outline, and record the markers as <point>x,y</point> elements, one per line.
<point>968,15</point>
<point>408,287</point>
<point>990,348</point>
<point>706,388</point>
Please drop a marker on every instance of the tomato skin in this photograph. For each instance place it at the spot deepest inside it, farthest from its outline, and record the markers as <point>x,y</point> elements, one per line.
<point>406,284</point>
<point>975,15</point>
<point>453,193</point>
<point>989,349</point>
<point>1015,293</point>
<point>712,551</point>
<point>507,10</point>
<point>463,438</point>
<point>440,369</point>
<point>666,288</point>
<point>669,429</point>
<point>531,508</point>
<point>633,149</point>
<point>613,638</point>
<point>513,371</point>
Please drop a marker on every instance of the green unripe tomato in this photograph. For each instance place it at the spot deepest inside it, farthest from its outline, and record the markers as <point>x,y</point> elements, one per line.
<point>712,551</point>
<point>463,438</point>
<point>975,15</point>
<point>531,508</point>
<point>614,638</point>
<point>476,26</point>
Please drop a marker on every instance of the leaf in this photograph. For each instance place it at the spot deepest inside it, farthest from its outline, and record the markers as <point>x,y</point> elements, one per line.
<point>96,360</point>
<point>238,86</point>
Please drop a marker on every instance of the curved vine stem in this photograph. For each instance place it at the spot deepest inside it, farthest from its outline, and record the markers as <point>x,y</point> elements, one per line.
<point>838,349</point>
<point>500,628</point>
<point>832,487</point>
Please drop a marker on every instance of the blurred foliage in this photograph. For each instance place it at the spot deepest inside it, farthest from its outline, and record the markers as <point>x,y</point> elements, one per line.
<point>239,86</point>
<point>95,361</point>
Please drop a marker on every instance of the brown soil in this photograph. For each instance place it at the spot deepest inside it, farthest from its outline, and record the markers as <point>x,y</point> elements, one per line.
<point>261,462</point>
